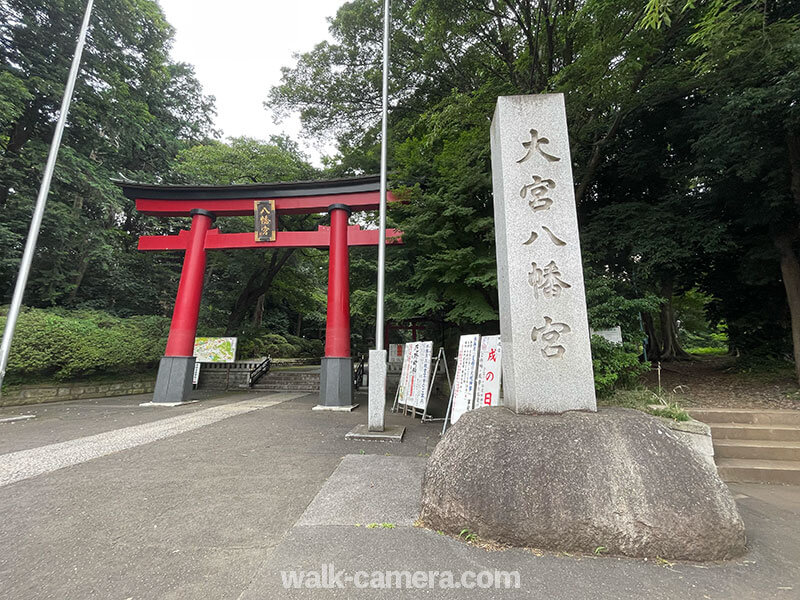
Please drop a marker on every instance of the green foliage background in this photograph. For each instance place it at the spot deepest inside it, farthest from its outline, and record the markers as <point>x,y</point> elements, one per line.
<point>69,344</point>
<point>684,132</point>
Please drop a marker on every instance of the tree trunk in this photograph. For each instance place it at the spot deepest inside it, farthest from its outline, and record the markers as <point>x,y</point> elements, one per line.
<point>257,285</point>
<point>784,242</point>
<point>299,324</point>
<point>670,347</point>
<point>790,273</point>
<point>18,135</point>
<point>78,278</point>
<point>258,313</point>
<point>653,339</point>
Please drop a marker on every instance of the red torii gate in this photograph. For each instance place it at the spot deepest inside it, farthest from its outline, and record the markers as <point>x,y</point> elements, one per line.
<point>204,204</point>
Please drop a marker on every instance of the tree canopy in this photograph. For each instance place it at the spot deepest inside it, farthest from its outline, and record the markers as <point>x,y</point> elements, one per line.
<point>684,131</point>
<point>133,110</point>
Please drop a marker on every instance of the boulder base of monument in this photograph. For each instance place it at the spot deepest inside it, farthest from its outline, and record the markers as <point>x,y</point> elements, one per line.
<point>617,479</point>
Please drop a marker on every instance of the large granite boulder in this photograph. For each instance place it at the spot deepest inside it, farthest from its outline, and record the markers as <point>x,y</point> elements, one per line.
<point>617,479</point>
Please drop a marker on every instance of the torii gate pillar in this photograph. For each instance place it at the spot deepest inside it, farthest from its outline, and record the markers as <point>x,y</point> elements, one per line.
<point>336,370</point>
<point>174,381</point>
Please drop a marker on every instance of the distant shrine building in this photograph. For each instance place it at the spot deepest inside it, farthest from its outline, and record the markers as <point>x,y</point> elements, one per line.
<point>266,203</point>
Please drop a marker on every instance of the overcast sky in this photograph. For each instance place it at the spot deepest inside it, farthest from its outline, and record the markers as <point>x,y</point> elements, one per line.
<point>238,48</point>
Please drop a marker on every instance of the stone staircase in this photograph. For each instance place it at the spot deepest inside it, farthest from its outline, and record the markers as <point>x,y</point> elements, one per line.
<point>288,381</point>
<point>754,445</point>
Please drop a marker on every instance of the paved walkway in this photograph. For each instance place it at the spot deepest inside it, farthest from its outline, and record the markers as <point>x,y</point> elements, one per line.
<point>105,499</point>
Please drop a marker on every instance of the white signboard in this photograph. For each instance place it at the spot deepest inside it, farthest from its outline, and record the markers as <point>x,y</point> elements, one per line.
<point>215,349</point>
<point>395,352</point>
<point>487,385</point>
<point>196,374</point>
<point>416,374</point>
<point>613,335</point>
<point>464,380</point>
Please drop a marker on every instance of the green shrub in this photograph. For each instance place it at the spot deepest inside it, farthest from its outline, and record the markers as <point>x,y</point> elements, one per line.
<point>257,343</point>
<point>67,344</point>
<point>615,366</point>
<point>308,348</point>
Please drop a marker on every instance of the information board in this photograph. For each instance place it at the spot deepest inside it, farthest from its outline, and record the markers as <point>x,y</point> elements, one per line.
<point>487,384</point>
<point>215,349</point>
<point>464,380</point>
<point>416,374</point>
<point>613,335</point>
<point>395,353</point>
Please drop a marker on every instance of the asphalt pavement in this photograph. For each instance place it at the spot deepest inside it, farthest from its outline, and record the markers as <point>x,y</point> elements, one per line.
<point>238,496</point>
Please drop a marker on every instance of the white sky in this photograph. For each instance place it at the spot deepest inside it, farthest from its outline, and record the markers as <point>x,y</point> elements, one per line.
<point>238,48</point>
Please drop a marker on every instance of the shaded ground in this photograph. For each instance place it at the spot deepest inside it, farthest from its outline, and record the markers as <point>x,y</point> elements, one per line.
<point>712,382</point>
<point>219,511</point>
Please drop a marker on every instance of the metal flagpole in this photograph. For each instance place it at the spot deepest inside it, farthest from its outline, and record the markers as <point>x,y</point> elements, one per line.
<point>41,200</point>
<point>377,357</point>
<point>379,319</point>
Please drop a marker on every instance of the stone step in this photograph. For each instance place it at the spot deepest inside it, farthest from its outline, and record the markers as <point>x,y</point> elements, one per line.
<point>284,388</point>
<point>746,415</point>
<point>292,376</point>
<point>265,381</point>
<point>757,449</point>
<point>746,431</point>
<point>291,379</point>
<point>740,470</point>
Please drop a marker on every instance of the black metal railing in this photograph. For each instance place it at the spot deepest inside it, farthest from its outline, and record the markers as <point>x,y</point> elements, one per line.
<point>358,373</point>
<point>261,370</point>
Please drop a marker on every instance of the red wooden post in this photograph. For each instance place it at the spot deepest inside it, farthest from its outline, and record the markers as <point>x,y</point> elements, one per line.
<point>337,338</point>
<point>190,289</point>
<point>336,368</point>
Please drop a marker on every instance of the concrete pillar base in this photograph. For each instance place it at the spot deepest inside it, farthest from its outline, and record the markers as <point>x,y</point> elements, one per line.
<point>377,390</point>
<point>348,408</point>
<point>390,433</point>
<point>336,382</point>
<point>174,381</point>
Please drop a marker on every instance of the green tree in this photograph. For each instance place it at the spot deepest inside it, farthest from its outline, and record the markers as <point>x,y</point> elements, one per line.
<point>242,283</point>
<point>748,133</point>
<point>451,60</point>
<point>133,110</point>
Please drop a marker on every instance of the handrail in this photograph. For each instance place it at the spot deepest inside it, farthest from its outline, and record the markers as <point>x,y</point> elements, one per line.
<point>358,374</point>
<point>261,370</point>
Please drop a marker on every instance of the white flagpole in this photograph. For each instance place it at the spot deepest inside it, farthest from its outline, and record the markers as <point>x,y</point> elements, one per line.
<point>377,357</point>
<point>379,321</point>
<point>41,200</point>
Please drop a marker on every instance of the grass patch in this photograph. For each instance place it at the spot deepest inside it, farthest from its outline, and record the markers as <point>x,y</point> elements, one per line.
<point>637,398</point>
<point>642,398</point>
<point>671,411</point>
<point>378,525</point>
<point>707,351</point>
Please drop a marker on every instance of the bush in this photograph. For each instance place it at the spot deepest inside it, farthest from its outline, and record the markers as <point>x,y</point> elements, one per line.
<point>66,344</point>
<point>615,366</point>
<point>308,348</point>
<point>257,343</point>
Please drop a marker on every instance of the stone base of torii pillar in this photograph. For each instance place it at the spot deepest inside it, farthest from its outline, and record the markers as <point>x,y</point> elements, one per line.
<point>336,384</point>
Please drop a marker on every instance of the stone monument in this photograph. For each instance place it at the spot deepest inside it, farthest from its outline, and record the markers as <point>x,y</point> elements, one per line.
<point>547,366</point>
<point>552,472</point>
